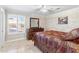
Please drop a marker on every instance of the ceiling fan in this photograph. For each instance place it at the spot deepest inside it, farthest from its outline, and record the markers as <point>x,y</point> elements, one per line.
<point>46,9</point>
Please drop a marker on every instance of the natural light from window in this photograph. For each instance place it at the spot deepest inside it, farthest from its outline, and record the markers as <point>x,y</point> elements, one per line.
<point>16,23</point>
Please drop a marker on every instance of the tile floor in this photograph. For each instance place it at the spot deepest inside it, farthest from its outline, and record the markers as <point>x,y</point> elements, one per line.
<point>19,46</point>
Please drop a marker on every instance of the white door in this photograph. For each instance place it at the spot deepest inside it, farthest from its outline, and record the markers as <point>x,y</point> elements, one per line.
<point>2,27</point>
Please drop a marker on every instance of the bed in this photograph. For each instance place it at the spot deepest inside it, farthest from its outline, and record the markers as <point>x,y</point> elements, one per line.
<point>57,42</point>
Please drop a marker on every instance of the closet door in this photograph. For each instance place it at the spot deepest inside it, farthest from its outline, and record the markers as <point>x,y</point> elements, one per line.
<point>2,26</point>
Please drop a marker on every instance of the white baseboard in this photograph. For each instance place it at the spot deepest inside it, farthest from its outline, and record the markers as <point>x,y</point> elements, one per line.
<point>1,44</point>
<point>16,39</point>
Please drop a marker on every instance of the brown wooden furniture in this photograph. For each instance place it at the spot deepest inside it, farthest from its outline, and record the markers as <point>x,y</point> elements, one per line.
<point>34,27</point>
<point>34,22</point>
<point>32,31</point>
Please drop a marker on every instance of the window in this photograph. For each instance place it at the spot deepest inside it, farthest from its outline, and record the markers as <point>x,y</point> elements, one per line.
<point>20,23</point>
<point>16,23</point>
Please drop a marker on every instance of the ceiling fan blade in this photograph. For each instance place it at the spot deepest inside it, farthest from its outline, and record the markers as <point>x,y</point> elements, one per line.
<point>43,6</point>
<point>37,9</point>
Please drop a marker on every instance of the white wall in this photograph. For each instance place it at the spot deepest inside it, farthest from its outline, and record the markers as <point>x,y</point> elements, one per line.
<point>51,22</point>
<point>27,25</point>
<point>73,20</point>
<point>41,20</point>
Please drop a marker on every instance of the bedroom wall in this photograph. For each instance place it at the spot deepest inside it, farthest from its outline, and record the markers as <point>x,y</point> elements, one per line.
<point>42,21</point>
<point>27,24</point>
<point>73,20</point>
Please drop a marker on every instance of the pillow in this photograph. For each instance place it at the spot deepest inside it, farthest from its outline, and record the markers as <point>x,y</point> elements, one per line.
<point>72,34</point>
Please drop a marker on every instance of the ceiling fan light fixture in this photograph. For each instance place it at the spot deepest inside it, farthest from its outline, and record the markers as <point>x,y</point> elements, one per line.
<point>44,10</point>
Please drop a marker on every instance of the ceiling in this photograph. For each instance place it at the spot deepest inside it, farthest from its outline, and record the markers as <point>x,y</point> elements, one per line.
<point>28,9</point>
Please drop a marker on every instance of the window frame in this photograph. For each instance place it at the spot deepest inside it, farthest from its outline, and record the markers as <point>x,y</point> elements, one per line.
<point>17,32</point>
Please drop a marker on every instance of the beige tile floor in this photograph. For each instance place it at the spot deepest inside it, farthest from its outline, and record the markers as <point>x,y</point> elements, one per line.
<point>19,46</point>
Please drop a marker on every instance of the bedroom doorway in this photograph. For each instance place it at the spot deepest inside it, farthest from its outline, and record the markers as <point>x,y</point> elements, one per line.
<point>2,26</point>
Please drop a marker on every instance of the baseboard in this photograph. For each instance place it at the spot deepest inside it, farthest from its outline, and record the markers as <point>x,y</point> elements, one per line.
<point>16,39</point>
<point>1,45</point>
